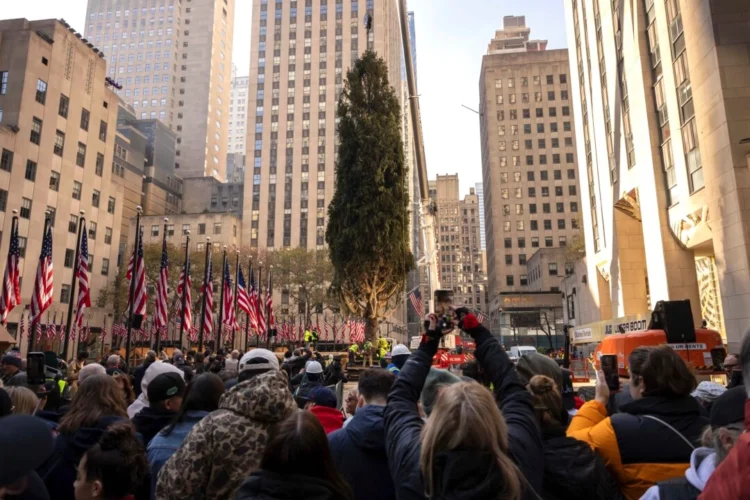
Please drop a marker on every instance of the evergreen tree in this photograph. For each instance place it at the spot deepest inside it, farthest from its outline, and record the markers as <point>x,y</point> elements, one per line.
<point>368,222</point>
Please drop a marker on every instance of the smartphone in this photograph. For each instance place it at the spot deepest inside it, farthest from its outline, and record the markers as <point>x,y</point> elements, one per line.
<point>35,373</point>
<point>443,303</point>
<point>609,367</point>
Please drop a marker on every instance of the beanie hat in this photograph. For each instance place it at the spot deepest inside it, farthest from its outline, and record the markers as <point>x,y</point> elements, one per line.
<point>708,391</point>
<point>13,360</point>
<point>534,363</point>
<point>259,359</point>
<point>436,379</point>
<point>37,446</point>
<point>165,386</point>
<point>729,408</point>
<point>401,350</point>
<point>313,367</point>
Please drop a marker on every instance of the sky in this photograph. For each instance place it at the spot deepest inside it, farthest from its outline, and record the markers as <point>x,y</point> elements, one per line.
<point>452,37</point>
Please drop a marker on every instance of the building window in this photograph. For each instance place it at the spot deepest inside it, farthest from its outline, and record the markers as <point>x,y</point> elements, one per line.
<point>155,230</point>
<point>524,280</point>
<point>30,171</point>
<point>76,190</point>
<point>54,181</point>
<point>81,154</point>
<point>36,131</point>
<point>552,269</point>
<point>65,294</point>
<point>85,115</point>
<point>95,198</point>
<point>170,229</point>
<point>99,164</point>
<point>105,267</point>
<point>41,91</point>
<point>6,160</point>
<point>25,208</point>
<point>62,110</point>
<point>73,224</point>
<point>185,229</point>
<point>3,200</point>
<point>22,246</point>
<point>202,228</point>
<point>108,235</point>
<point>509,280</point>
<point>111,205</point>
<point>103,131</point>
<point>59,143</point>
<point>69,256</point>
<point>3,82</point>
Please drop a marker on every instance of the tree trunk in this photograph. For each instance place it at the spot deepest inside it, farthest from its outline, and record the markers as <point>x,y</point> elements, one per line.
<point>372,330</point>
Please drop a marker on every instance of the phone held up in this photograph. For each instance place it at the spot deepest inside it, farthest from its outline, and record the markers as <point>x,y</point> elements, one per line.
<point>35,374</point>
<point>443,303</point>
<point>609,367</point>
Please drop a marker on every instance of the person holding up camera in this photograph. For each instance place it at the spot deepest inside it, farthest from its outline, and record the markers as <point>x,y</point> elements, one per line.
<point>467,448</point>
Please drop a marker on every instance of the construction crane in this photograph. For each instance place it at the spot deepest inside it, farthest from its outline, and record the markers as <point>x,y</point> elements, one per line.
<point>428,209</point>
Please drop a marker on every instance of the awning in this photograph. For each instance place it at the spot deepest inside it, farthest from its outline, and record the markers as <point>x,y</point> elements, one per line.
<point>5,337</point>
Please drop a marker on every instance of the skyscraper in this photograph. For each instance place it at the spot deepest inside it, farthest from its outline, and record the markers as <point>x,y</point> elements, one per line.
<point>479,187</point>
<point>530,178</point>
<point>658,86</point>
<point>173,61</point>
<point>300,53</point>
<point>238,115</point>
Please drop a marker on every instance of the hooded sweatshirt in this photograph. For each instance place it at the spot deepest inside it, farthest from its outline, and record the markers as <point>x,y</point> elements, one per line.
<point>149,421</point>
<point>266,485</point>
<point>152,372</point>
<point>358,451</point>
<point>330,418</point>
<point>702,465</point>
<point>226,446</point>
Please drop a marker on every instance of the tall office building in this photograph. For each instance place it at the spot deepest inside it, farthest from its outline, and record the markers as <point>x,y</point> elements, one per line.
<point>238,115</point>
<point>528,153</point>
<point>460,259</point>
<point>479,187</point>
<point>666,213</point>
<point>300,53</point>
<point>57,142</point>
<point>173,60</point>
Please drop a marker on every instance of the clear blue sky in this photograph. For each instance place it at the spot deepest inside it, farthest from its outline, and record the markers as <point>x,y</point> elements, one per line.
<point>452,36</point>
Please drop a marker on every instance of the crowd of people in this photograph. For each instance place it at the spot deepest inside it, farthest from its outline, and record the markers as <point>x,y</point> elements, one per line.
<point>255,426</point>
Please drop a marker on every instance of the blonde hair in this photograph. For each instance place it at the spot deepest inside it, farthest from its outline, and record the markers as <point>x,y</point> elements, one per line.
<point>547,400</point>
<point>482,428</point>
<point>23,399</point>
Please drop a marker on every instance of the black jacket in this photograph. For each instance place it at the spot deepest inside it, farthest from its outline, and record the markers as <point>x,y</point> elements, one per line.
<point>573,471</point>
<point>138,374</point>
<point>359,453</point>
<point>149,421</point>
<point>59,471</point>
<point>461,474</point>
<point>265,485</point>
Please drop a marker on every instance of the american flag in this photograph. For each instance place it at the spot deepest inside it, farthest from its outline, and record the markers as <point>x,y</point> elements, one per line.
<point>229,318</point>
<point>416,301</point>
<point>61,327</point>
<point>187,314</point>
<point>269,303</point>
<point>104,333</point>
<point>21,329</point>
<point>139,293</point>
<point>44,283</point>
<point>160,314</point>
<point>481,317</point>
<point>82,273</point>
<point>51,327</point>
<point>243,300</point>
<point>208,295</point>
<point>356,332</point>
<point>10,296</point>
<point>252,296</point>
<point>259,309</point>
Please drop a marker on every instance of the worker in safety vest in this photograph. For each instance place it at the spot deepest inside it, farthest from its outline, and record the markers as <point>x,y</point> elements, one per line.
<point>383,347</point>
<point>308,336</point>
<point>368,353</point>
<point>353,351</point>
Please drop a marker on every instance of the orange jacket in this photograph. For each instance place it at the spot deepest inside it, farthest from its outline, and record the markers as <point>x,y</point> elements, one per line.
<point>592,425</point>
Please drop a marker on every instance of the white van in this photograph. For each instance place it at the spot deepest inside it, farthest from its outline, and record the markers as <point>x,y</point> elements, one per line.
<point>517,351</point>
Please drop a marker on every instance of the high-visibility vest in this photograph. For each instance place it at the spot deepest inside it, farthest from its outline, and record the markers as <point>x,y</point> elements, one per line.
<point>308,336</point>
<point>354,348</point>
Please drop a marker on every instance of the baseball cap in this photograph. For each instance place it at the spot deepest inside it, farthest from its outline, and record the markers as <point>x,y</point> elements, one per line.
<point>313,367</point>
<point>165,386</point>
<point>259,359</point>
<point>400,350</point>
<point>37,446</point>
<point>322,396</point>
<point>729,408</point>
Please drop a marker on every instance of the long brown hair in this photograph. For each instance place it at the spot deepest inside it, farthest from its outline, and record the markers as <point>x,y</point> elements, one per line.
<point>127,387</point>
<point>482,428</point>
<point>98,396</point>
<point>300,444</point>
<point>547,401</point>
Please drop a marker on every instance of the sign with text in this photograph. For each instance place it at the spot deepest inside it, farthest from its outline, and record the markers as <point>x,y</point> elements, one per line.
<point>595,332</point>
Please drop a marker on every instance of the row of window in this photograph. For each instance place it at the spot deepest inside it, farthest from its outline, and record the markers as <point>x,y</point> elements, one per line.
<point>500,98</point>
<point>534,225</point>
<point>546,208</point>
<point>544,176</point>
<point>186,227</point>
<point>548,240</point>
<point>538,113</point>
<point>518,192</point>
<point>524,81</point>
<point>542,144</point>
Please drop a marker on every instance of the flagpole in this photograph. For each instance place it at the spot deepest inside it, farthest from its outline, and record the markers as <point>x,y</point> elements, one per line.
<point>133,273</point>
<point>247,314</point>
<point>32,326</point>
<point>203,302</point>
<point>236,283</point>
<point>268,310</point>
<point>186,273</point>
<point>157,333</point>
<point>260,280</point>
<point>221,298</point>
